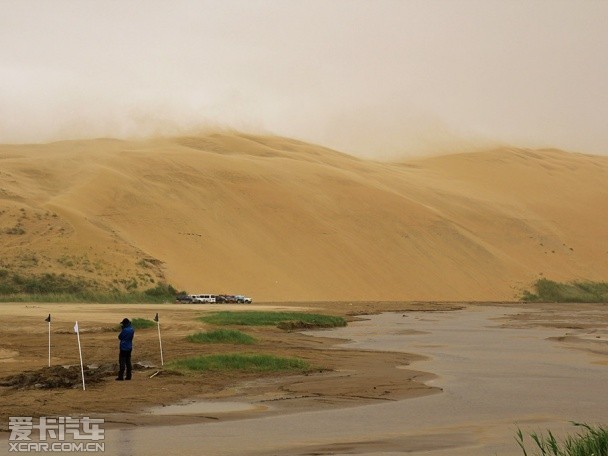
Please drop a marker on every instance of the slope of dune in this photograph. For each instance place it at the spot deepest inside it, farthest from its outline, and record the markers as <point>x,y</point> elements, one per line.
<point>279,219</point>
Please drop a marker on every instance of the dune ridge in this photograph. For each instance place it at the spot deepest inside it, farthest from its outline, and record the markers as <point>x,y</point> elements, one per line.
<point>280,219</point>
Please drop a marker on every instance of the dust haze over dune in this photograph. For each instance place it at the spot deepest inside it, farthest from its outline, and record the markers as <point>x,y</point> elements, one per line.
<point>285,220</point>
<point>451,116</point>
<point>381,79</point>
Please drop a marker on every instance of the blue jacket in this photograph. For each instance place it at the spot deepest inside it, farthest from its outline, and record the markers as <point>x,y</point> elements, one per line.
<point>126,338</point>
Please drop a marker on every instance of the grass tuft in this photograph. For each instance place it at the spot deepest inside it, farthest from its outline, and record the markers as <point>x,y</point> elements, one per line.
<point>593,441</point>
<point>142,323</point>
<point>273,318</point>
<point>221,336</point>
<point>242,362</point>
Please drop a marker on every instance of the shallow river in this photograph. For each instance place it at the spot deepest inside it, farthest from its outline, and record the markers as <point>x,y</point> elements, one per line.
<point>494,380</point>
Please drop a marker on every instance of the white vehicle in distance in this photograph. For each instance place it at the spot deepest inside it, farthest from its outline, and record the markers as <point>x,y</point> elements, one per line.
<point>243,299</point>
<point>205,298</point>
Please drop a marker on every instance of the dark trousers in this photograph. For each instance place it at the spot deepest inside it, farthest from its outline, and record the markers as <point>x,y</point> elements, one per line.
<point>124,361</point>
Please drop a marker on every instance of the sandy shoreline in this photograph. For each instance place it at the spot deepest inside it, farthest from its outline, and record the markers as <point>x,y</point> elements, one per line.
<point>352,378</point>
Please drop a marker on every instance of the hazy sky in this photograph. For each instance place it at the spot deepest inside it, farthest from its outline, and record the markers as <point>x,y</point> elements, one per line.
<point>372,77</point>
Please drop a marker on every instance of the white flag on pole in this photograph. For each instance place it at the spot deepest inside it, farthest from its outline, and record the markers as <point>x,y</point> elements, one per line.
<point>160,342</point>
<point>80,353</point>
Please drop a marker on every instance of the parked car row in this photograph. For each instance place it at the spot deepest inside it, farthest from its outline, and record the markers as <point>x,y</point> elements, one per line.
<point>210,298</point>
<point>234,299</point>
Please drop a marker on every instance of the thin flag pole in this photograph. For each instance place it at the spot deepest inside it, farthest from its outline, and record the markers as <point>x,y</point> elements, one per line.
<point>160,342</point>
<point>48,319</point>
<point>80,353</point>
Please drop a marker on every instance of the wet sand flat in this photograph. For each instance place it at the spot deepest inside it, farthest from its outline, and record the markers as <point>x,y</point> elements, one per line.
<point>333,381</point>
<point>495,374</point>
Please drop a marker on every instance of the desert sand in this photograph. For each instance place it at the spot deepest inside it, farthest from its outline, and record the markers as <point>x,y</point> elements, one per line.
<point>280,220</point>
<point>295,226</point>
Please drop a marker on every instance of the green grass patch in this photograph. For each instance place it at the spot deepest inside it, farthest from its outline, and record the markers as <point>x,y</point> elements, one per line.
<point>142,323</point>
<point>88,297</point>
<point>221,336</point>
<point>546,290</point>
<point>51,287</point>
<point>241,362</point>
<point>272,318</point>
<point>138,323</point>
<point>593,441</point>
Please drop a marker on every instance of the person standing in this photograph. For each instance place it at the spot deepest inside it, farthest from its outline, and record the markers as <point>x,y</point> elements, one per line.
<point>126,347</point>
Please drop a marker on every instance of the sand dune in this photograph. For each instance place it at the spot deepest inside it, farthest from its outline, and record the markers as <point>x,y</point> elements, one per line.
<point>279,219</point>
